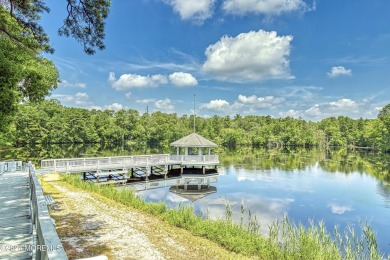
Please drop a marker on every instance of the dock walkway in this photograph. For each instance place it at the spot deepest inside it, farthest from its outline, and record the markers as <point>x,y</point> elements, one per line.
<point>26,228</point>
<point>69,165</point>
<point>16,236</point>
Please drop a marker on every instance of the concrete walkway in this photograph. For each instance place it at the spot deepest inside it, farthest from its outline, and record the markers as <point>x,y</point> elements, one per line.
<point>16,238</point>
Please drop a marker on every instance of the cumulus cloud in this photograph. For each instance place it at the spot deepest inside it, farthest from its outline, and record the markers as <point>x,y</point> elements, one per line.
<point>265,7</point>
<point>291,113</point>
<point>182,79</point>
<point>249,56</point>
<point>95,107</point>
<point>67,84</point>
<point>260,102</point>
<point>196,10</point>
<point>339,107</point>
<point>114,106</point>
<point>339,71</point>
<point>247,100</point>
<point>127,81</point>
<point>218,105</point>
<point>79,99</point>
<point>164,105</point>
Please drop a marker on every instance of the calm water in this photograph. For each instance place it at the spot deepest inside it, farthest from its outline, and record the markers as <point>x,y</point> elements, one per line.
<point>340,187</point>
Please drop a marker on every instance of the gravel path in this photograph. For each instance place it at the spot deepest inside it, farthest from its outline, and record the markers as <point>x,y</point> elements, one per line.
<point>91,225</point>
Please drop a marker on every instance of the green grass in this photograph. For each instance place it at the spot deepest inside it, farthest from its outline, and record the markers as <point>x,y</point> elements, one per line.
<point>286,240</point>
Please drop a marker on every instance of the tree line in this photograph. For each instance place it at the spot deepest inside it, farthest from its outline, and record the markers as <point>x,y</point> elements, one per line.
<point>49,122</point>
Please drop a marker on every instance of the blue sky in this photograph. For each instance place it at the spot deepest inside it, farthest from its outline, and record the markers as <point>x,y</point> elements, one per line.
<point>308,59</point>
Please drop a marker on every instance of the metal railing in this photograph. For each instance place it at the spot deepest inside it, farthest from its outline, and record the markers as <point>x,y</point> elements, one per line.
<point>48,245</point>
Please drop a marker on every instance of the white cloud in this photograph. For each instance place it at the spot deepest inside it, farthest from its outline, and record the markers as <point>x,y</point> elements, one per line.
<point>95,107</point>
<point>265,7</point>
<point>145,101</point>
<point>128,95</point>
<point>249,57</point>
<point>339,71</point>
<point>114,106</point>
<point>67,84</point>
<point>247,100</point>
<point>196,10</point>
<point>127,81</point>
<point>260,102</point>
<point>216,105</point>
<point>80,98</point>
<point>314,111</point>
<point>182,79</point>
<point>165,105</point>
<point>344,106</point>
<point>291,113</point>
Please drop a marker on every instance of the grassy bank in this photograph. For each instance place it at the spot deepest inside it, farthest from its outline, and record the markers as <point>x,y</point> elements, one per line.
<point>286,240</point>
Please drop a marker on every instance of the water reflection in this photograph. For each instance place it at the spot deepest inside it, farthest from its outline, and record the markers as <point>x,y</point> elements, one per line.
<point>383,189</point>
<point>339,209</point>
<point>187,188</point>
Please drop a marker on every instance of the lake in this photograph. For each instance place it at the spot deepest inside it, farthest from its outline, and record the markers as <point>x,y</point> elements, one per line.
<point>339,186</point>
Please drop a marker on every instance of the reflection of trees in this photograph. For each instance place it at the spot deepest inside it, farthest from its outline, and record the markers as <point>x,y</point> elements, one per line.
<point>383,189</point>
<point>362,161</point>
<point>265,159</point>
<point>334,160</point>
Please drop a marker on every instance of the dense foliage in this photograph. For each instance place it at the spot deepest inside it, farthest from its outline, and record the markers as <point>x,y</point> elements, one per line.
<point>24,73</point>
<point>49,122</point>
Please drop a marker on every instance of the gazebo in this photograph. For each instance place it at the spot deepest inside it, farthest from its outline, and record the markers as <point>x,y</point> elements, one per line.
<point>194,150</point>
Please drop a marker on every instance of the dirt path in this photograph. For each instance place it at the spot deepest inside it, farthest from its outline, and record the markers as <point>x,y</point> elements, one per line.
<point>91,225</point>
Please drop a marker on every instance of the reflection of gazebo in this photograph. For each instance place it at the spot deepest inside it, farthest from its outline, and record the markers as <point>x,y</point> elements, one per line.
<point>193,188</point>
<point>192,193</point>
<point>194,150</point>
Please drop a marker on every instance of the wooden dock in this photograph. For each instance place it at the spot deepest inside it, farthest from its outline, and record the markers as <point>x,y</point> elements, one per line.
<point>125,163</point>
<point>16,236</point>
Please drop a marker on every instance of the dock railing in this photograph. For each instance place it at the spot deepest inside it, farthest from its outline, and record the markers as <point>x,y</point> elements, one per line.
<point>103,163</point>
<point>195,159</point>
<point>47,243</point>
<point>124,162</point>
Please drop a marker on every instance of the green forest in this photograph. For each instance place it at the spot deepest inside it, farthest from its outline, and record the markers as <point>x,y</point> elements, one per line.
<point>49,122</point>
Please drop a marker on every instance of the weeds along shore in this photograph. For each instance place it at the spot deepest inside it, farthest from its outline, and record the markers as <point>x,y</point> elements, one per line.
<point>286,240</point>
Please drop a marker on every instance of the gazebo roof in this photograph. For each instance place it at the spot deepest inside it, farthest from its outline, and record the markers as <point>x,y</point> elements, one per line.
<point>193,140</point>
